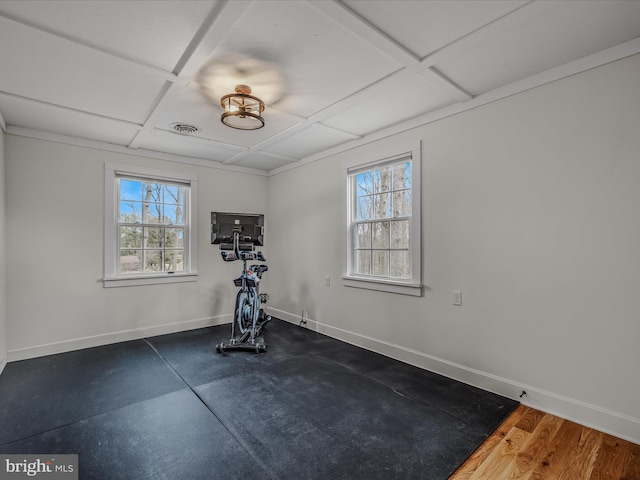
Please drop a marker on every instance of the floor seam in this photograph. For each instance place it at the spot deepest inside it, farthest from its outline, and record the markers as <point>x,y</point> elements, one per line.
<point>105,412</point>
<point>236,437</point>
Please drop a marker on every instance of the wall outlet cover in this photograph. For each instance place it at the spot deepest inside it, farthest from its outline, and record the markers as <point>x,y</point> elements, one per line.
<point>457,297</point>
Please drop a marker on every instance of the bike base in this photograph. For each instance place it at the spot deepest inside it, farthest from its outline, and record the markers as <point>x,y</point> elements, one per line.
<point>246,342</point>
<point>256,347</point>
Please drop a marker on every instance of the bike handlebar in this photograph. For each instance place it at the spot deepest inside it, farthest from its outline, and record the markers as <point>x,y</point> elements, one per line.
<point>229,256</point>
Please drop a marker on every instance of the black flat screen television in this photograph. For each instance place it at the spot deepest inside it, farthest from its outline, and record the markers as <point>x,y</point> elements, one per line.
<point>249,225</point>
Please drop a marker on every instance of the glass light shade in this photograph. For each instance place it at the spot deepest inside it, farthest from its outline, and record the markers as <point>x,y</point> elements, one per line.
<point>242,110</point>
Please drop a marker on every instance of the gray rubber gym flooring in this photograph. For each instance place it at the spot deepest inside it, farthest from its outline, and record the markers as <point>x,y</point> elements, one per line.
<point>311,407</point>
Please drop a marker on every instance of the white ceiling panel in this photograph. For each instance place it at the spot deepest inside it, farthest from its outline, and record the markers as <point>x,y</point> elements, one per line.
<point>261,161</point>
<point>405,96</point>
<point>154,33</point>
<point>320,61</point>
<point>308,141</point>
<point>63,73</point>
<point>332,73</point>
<point>187,145</point>
<point>194,108</point>
<point>424,27</point>
<point>43,117</point>
<point>570,31</point>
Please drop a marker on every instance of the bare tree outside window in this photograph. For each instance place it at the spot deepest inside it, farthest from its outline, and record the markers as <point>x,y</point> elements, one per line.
<point>152,225</point>
<point>381,221</point>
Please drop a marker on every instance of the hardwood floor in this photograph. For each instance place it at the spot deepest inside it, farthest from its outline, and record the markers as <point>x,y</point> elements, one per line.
<point>532,445</point>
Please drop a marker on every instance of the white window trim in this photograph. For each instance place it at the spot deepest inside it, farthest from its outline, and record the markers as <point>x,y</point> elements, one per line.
<point>112,278</point>
<point>411,286</point>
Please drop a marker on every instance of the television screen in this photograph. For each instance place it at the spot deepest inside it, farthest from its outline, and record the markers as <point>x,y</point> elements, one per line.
<point>250,229</point>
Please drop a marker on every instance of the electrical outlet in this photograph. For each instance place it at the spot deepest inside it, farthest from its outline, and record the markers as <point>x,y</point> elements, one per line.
<point>457,297</point>
<point>327,281</point>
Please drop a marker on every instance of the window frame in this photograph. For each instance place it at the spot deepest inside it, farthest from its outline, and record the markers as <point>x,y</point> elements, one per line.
<point>112,276</point>
<point>353,166</point>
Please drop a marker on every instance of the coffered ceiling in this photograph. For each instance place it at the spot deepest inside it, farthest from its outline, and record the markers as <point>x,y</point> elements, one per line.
<point>333,74</point>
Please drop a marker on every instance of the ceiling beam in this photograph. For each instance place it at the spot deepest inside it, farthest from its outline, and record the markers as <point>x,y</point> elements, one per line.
<point>425,67</point>
<point>617,52</point>
<point>239,156</point>
<point>349,19</point>
<point>437,78</point>
<point>342,14</point>
<point>342,104</point>
<point>89,45</point>
<point>508,21</point>
<point>70,109</point>
<point>215,26</point>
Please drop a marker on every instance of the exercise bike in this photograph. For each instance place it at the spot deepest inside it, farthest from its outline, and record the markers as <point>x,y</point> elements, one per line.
<point>248,318</point>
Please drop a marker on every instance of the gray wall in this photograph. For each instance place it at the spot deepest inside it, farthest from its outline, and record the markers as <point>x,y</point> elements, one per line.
<point>530,208</point>
<point>55,233</point>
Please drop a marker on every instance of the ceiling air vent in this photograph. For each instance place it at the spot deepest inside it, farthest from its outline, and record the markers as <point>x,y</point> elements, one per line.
<point>184,128</point>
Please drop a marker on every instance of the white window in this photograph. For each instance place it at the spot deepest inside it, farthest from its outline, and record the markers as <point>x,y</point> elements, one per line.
<point>150,227</point>
<point>383,244</point>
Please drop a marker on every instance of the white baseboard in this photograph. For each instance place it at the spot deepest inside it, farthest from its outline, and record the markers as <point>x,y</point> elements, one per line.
<point>3,363</point>
<point>114,337</point>
<point>593,416</point>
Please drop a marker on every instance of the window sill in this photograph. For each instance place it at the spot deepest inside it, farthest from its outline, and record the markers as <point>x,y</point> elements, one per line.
<point>150,280</point>
<point>402,288</point>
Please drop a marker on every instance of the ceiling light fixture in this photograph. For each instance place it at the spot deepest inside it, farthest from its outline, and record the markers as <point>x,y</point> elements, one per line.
<point>242,110</point>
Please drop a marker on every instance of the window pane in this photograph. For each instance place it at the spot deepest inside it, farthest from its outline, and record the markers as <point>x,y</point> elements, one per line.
<point>130,190</point>
<point>373,181</point>
<point>173,194</point>
<point>174,237</point>
<point>152,261</point>
<point>401,176</point>
<point>131,261</point>
<point>380,263</point>
<point>380,235</point>
<point>382,205</point>
<point>402,203</point>
<point>400,234</point>
<point>362,262</point>
<point>173,260</point>
<point>364,184</point>
<point>400,264</point>
<point>130,212</point>
<point>364,208</point>
<point>362,235</point>
<point>130,237</point>
<point>173,215</point>
<point>383,180</point>
<point>152,192</point>
<point>151,213</point>
<point>153,237</point>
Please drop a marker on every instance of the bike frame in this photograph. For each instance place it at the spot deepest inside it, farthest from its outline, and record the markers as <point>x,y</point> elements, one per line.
<point>249,318</point>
